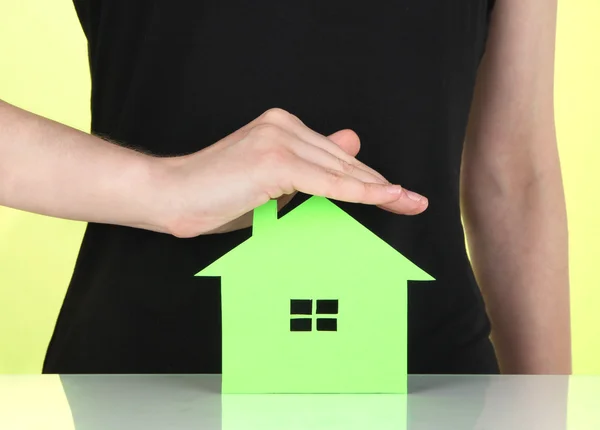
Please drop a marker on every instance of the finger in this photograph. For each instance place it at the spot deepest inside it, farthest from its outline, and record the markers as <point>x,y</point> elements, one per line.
<point>313,179</point>
<point>339,141</point>
<point>399,206</point>
<point>328,161</point>
<point>346,139</point>
<point>332,146</point>
<point>292,124</point>
<point>349,142</point>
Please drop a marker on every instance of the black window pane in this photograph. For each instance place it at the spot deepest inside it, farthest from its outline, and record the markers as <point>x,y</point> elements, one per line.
<point>327,307</point>
<point>301,307</point>
<point>326,324</point>
<point>301,324</point>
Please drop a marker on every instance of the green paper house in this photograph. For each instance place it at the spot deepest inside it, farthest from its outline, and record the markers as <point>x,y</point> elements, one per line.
<point>313,302</point>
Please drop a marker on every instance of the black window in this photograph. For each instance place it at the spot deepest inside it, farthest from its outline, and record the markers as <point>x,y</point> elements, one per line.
<point>305,308</point>
<point>301,324</point>
<point>301,307</point>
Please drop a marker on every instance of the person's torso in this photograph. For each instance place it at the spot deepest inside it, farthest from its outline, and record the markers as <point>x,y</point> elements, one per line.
<point>172,77</point>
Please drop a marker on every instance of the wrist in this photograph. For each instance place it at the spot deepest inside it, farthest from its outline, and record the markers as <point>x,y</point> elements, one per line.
<point>152,176</point>
<point>164,210</point>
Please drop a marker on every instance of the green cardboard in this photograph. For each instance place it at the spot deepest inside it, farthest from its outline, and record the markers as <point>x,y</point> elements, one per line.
<point>314,412</point>
<point>319,254</point>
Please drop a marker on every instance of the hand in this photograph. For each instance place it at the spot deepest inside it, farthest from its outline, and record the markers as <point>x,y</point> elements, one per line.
<point>273,157</point>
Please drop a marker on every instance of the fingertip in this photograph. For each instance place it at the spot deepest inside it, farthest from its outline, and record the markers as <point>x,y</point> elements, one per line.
<point>420,209</point>
<point>405,206</point>
<point>415,196</point>
<point>419,202</point>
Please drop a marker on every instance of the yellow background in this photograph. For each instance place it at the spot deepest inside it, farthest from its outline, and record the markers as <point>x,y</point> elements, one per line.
<point>43,68</point>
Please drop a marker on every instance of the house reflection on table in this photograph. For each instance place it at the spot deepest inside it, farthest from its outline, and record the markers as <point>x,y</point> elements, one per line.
<point>192,402</point>
<point>436,402</point>
<point>315,412</point>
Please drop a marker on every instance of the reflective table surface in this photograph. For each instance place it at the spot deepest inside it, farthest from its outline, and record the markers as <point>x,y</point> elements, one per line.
<point>152,402</point>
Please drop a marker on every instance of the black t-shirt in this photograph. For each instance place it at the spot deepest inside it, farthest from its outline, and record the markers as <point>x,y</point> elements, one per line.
<point>172,77</point>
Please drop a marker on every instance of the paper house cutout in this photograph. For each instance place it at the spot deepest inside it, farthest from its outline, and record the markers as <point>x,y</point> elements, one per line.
<point>313,302</point>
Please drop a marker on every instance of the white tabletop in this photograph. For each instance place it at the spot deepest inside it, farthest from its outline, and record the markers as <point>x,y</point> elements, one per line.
<point>152,402</point>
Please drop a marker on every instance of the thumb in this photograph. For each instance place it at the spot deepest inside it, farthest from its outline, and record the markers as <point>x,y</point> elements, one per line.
<point>346,139</point>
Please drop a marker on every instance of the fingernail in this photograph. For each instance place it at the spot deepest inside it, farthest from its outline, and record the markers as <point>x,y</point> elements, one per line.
<point>414,196</point>
<point>394,189</point>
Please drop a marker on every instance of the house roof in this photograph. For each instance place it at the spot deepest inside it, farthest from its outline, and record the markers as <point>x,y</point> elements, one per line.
<point>317,235</point>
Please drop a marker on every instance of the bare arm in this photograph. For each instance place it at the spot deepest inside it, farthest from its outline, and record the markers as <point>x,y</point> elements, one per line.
<point>512,192</point>
<point>52,169</point>
<point>55,170</point>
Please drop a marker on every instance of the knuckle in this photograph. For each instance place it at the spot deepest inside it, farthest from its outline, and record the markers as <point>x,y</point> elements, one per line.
<point>334,176</point>
<point>372,192</point>
<point>266,132</point>
<point>276,115</point>
<point>270,146</point>
<point>367,188</point>
<point>346,167</point>
<point>296,118</point>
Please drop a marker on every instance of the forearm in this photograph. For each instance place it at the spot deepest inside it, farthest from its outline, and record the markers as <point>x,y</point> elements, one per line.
<point>517,233</point>
<point>51,169</point>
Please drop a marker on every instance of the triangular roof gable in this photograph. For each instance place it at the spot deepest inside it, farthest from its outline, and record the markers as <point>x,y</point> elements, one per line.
<point>302,233</point>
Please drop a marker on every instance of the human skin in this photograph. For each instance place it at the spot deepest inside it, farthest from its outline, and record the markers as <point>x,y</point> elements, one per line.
<point>51,169</point>
<point>512,195</point>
